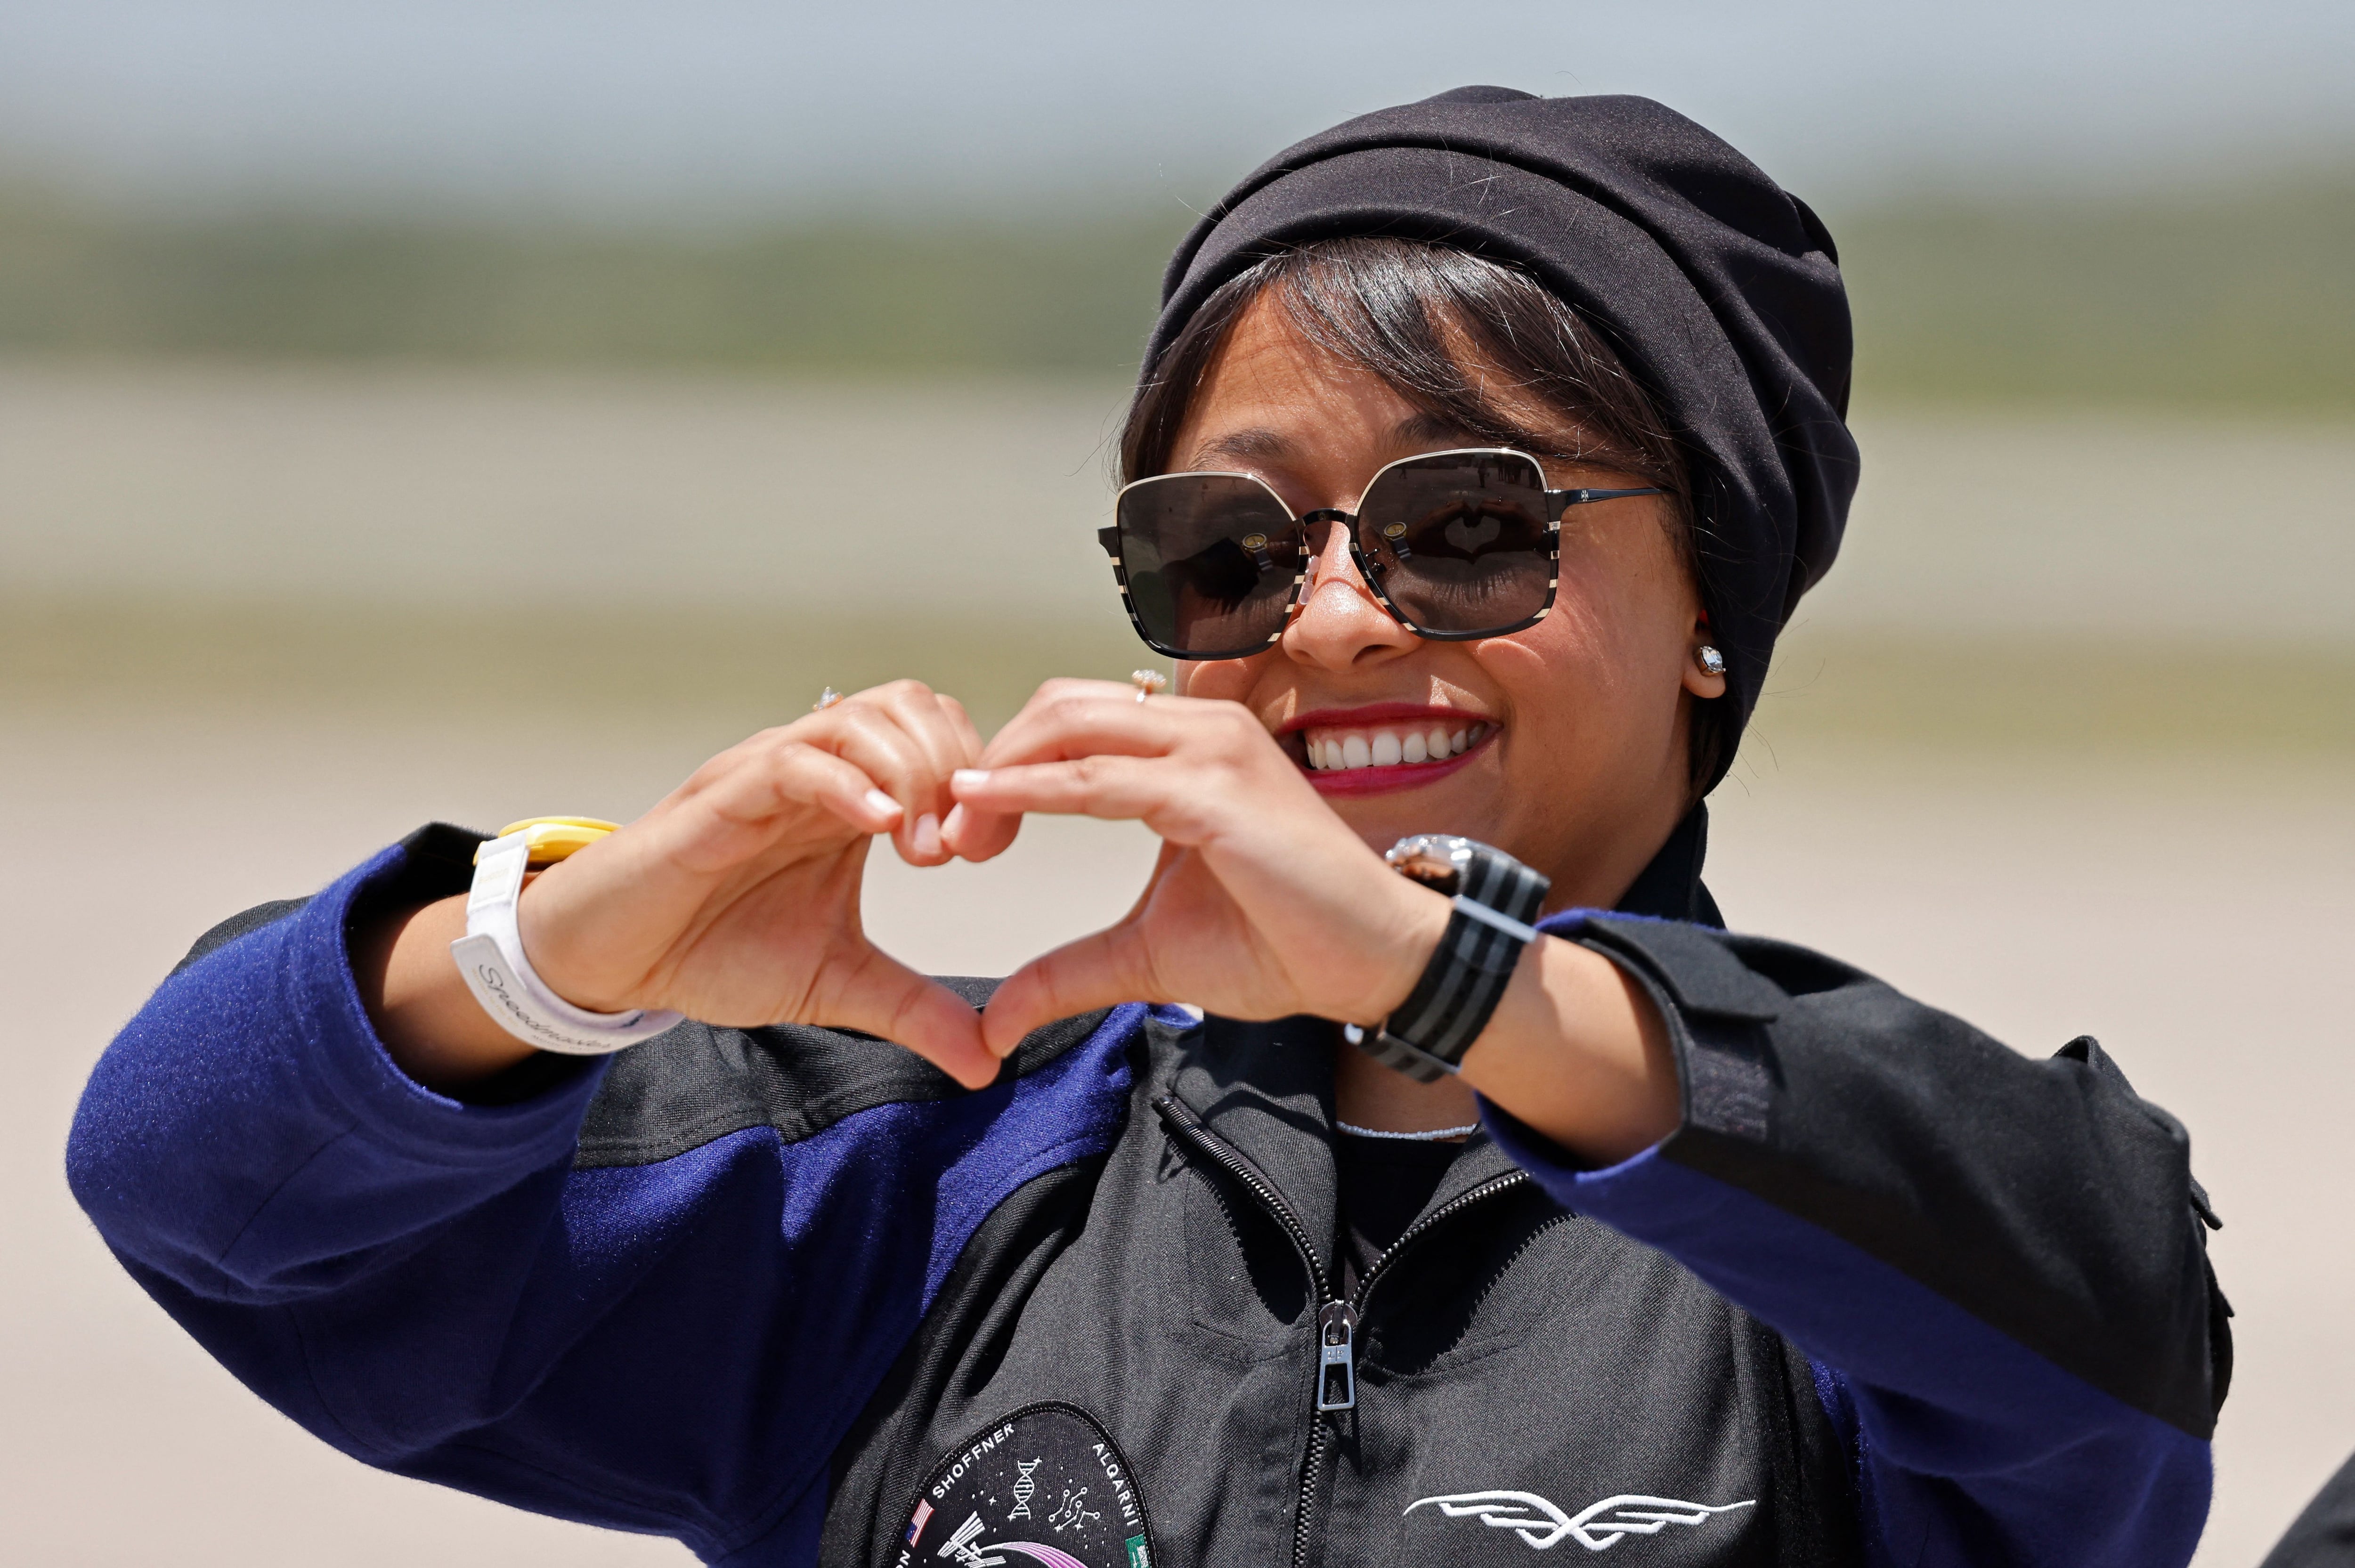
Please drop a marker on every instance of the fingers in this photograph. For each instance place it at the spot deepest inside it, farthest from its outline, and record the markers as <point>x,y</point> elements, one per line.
<point>741,803</point>
<point>966,832</point>
<point>1179,769</point>
<point>768,795</point>
<point>908,739</point>
<point>976,830</point>
<point>1075,718</point>
<point>881,996</point>
<point>877,762</point>
<point>1068,718</point>
<point>1113,788</point>
<point>1112,967</point>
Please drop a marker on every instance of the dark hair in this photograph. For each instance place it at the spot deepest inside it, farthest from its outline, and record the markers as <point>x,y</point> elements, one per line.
<point>1445,330</point>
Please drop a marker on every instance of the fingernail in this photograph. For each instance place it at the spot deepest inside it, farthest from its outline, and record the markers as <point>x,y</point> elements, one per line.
<point>952,825</point>
<point>968,778</point>
<point>881,804</point>
<point>926,838</point>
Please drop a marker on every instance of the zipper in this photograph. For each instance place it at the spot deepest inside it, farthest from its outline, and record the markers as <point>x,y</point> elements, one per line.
<point>1180,1119</point>
<point>1335,1387</point>
<point>1416,1232</point>
<point>1336,1357</point>
<point>1312,1476</point>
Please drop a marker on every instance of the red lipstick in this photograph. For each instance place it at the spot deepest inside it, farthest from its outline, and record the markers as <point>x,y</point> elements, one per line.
<point>1416,717</point>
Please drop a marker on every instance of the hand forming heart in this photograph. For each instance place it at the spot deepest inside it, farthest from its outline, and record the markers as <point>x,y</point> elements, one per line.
<point>735,900</point>
<point>1263,902</point>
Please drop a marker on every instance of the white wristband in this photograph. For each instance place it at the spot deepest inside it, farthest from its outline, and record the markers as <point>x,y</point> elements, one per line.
<point>490,955</point>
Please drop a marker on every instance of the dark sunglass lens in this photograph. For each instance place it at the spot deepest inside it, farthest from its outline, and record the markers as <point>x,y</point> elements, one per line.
<point>1210,560</point>
<point>1460,540</point>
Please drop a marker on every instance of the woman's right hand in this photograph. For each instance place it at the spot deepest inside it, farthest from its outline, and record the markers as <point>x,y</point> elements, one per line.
<point>734,900</point>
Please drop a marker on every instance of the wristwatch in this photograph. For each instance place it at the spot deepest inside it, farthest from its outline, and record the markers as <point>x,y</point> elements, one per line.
<point>492,961</point>
<point>1496,897</point>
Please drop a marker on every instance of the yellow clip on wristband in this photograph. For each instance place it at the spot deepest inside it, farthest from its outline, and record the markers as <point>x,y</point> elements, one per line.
<point>491,959</point>
<point>550,838</point>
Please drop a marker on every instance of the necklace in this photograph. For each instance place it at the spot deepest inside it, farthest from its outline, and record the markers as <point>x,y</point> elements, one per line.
<point>1432,1137</point>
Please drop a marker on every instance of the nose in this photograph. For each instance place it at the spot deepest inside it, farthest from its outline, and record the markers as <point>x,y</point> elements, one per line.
<point>1340,625</point>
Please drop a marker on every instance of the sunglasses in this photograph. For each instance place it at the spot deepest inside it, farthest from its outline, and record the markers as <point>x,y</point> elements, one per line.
<point>1455,545</point>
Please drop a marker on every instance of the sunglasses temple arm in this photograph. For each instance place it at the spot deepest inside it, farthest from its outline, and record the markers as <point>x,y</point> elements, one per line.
<point>1560,501</point>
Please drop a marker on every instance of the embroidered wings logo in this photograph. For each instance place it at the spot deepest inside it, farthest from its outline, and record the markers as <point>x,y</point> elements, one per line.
<point>1598,1527</point>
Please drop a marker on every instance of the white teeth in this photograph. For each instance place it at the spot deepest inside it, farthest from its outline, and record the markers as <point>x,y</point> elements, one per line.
<point>1336,751</point>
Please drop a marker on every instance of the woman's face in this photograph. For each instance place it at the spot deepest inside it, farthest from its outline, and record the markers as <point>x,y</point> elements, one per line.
<point>1573,731</point>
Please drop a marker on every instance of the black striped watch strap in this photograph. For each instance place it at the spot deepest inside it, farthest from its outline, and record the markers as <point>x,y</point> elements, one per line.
<point>1495,897</point>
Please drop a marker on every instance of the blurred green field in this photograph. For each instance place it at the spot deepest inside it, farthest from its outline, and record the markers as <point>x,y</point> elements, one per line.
<point>2221,294</point>
<point>2240,295</point>
<point>728,674</point>
<point>823,295</point>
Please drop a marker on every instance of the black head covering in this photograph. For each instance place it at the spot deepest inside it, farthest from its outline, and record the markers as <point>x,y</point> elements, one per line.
<point>1720,290</point>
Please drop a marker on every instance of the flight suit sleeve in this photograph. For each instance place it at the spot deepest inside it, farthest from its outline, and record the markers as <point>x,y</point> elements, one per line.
<point>1998,1264</point>
<point>2323,1535</point>
<point>670,1340</point>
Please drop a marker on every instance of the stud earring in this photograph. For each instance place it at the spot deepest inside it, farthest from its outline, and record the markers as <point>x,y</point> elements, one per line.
<point>1711,662</point>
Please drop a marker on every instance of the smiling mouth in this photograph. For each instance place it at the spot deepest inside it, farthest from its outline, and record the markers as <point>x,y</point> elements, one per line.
<point>1382,747</point>
<point>1347,748</point>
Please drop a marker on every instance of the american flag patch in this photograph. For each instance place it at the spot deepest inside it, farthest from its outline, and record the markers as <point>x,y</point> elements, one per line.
<point>916,1525</point>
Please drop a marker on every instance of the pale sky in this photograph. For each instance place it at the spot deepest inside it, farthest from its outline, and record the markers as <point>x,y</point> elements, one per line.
<point>632,107</point>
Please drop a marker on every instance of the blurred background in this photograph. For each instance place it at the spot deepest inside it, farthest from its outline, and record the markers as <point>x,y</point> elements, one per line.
<point>468,411</point>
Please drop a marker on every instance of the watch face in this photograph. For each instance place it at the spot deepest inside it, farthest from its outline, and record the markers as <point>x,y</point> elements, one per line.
<point>1435,859</point>
<point>1043,1486</point>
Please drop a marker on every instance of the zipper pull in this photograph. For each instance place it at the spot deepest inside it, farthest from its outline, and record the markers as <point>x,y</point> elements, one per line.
<point>1336,1357</point>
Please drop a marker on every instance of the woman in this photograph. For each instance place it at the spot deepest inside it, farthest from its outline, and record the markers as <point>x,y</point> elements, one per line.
<point>1482,448</point>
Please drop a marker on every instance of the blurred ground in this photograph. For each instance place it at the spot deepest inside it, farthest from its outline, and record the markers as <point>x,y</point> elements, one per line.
<point>2062,746</point>
<point>460,487</point>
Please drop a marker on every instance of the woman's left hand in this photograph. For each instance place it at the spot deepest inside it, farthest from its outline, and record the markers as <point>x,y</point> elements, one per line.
<point>1263,904</point>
